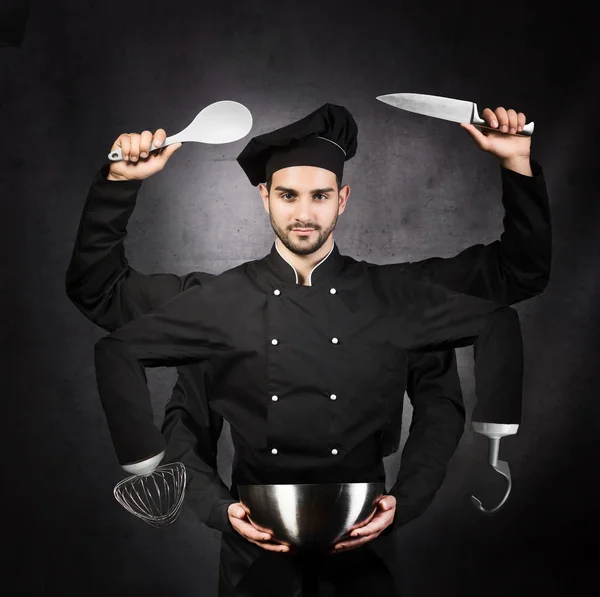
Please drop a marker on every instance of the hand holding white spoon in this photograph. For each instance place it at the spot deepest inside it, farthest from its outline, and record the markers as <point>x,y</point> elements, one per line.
<point>220,122</point>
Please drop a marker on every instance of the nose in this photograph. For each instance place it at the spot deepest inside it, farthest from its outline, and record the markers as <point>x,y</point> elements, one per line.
<point>303,213</point>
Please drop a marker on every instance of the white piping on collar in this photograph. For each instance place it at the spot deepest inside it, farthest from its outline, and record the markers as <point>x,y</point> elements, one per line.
<point>313,269</point>
<point>318,264</point>
<point>295,272</point>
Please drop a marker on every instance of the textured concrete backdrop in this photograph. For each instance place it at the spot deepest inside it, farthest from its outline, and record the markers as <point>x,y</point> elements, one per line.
<point>85,72</point>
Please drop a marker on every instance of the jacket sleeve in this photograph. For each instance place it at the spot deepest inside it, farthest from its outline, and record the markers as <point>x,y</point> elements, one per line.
<point>437,424</point>
<point>183,331</point>
<point>434,318</point>
<point>513,268</point>
<point>507,271</point>
<point>99,281</point>
<point>191,430</point>
<point>109,292</point>
<point>428,318</point>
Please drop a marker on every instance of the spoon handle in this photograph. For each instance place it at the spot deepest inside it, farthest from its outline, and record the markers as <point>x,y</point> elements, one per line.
<point>117,155</point>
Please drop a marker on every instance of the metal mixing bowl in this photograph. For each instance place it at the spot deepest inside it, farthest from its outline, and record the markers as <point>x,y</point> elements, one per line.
<point>310,516</point>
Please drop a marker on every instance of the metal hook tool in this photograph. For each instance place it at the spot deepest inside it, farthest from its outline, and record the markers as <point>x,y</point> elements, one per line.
<point>494,432</point>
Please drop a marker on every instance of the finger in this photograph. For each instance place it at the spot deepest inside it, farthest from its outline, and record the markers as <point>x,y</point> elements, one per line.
<point>521,121</point>
<point>502,118</point>
<point>387,502</point>
<point>271,546</point>
<point>479,137</point>
<point>353,544</point>
<point>248,531</point>
<point>512,121</point>
<point>169,150</point>
<point>236,510</point>
<point>159,137</point>
<point>375,526</point>
<point>117,143</point>
<point>489,116</point>
<point>245,518</point>
<point>365,536</point>
<point>125,146</point>
<point>384,516</point>
<point>134,152</point>
<point>145,142</point>
<point>238,517</point>
<point>366,522</point>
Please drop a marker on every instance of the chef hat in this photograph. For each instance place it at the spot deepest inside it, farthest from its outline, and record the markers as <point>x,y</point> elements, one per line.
<point>326,138</point>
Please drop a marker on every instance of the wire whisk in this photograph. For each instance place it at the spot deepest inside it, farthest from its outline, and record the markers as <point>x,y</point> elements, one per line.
<point>156,497</point>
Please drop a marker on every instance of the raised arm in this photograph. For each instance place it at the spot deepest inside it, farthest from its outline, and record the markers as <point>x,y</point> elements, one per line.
<point>110,292</point>
<point>518,265</point>
<point>513,268</point>
<point>99,280</point>
<point>506,271</point>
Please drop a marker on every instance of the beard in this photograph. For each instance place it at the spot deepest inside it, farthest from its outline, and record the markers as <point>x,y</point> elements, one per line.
<point>306,245</point>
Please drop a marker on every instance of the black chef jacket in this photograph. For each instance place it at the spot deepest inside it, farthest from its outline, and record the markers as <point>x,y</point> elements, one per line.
<point>304,372</point>
<point>108,291</point>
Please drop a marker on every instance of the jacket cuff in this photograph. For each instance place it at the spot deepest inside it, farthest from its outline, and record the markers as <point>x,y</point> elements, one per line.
<point>402,517</point>
<point>219,519</point>
<point>126,185</point>
<point>536,170</point>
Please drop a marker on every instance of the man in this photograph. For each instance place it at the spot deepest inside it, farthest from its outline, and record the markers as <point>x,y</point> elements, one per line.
<point>111,293</point>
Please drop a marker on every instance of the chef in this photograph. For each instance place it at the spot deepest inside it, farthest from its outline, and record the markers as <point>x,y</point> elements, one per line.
<point>110,292</point>
<point>327,162</point>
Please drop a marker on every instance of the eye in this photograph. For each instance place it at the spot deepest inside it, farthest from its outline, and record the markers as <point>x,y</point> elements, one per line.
<point>284,195</point>
<point>321,195</point>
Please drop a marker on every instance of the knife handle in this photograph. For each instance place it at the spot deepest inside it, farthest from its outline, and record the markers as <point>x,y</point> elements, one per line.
<point>480,123</point>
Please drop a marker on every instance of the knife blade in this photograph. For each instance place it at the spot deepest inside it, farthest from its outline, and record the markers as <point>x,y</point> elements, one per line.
<point>445,108</point>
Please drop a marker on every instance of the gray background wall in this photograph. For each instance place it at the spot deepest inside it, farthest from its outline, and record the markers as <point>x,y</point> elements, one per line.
<point>82,73</point>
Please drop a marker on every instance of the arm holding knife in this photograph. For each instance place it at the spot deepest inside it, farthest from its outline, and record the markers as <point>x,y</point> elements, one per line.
<point>513,152</point>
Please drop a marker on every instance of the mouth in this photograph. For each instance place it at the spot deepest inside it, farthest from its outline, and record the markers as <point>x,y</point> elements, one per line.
<point>303,230</point>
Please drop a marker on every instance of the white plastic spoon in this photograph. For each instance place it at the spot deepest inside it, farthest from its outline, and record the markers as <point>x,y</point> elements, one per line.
<point>221,122</point>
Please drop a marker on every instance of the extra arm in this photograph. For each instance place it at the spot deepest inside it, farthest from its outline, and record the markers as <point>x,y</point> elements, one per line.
<point>177,333</point>
<point>513,268</point>
<point>437,424</point>
<point>108,291</point>
<point>99,280</point>
<point>191,431</point>
<point>431,318</point>
<point>507,271</point>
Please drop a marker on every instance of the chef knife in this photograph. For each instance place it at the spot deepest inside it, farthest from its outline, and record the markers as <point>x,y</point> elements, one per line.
<point>445,108</point>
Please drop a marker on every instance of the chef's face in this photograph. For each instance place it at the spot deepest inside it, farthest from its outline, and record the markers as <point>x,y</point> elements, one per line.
<point>304,197</point>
